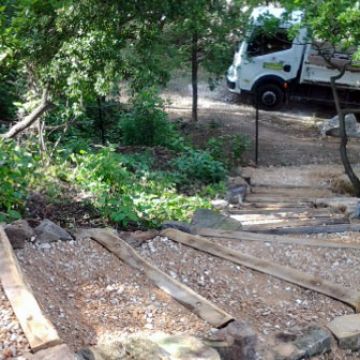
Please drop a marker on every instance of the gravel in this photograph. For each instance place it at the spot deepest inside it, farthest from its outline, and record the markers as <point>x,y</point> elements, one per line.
<point>88,293</point>
<point>12,339</point>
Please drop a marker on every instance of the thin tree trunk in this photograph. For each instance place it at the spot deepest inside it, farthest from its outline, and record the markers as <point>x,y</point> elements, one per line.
<point>30,119</point>
<point>194,77</point>
<point>343,136</point>
<point>101,120</point>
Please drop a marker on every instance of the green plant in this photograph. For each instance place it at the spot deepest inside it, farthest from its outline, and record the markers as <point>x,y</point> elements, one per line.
<point>198,165</point>
<point>146,123</point>
<point>17,172</point>
<point>228,148</point>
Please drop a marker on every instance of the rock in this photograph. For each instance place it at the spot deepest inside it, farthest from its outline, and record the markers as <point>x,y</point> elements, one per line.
<point>219,204</point>
<point>310,342</point>
<point>136,238</point>
<point>184,227</point>
<point>236,341</point>
<point>48,231</point>
<point>237,194</point>
<point>59,352</point>
<point>205,218</point>
<point>347,331</point>
<point>287,351</point>
<point>18,233</point>
<point>238,188</point>
<point>154,346</point>
<point>331,127</point>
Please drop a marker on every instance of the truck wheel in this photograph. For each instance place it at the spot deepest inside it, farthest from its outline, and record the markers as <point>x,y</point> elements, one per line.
<point>270,96</point>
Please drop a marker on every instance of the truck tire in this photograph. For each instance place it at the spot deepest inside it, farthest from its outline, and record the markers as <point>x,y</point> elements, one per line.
<point>269,96</point>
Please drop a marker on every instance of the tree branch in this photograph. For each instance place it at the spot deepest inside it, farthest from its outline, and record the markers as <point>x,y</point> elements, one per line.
<point>30,119</point>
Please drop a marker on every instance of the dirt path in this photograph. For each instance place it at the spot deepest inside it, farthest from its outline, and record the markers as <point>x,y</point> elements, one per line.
<point>287,137</point>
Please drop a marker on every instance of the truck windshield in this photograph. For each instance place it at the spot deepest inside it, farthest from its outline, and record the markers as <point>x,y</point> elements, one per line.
<point>262,43</point>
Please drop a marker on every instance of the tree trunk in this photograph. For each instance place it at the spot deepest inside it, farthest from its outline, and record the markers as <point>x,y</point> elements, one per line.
<point>100,120</point>
<point>343,136</point>
<point>30,119</point>
<point>194,76</point>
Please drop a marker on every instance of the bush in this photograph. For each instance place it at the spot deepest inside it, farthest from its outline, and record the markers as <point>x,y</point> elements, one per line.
<point>17,172</point>
<point>200,166</point>
<point>147,123</point>
<point>123,196</point>
<point>228,149</point>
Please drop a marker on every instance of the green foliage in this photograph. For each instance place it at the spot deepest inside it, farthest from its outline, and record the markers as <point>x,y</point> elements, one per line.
<point>197,165</point>
<point>147,124</point>
<point>124,197</point>
<point>17,172</point>
<point>228,148</point>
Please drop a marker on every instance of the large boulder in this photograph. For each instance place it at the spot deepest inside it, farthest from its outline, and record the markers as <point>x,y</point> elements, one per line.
<point>309,342</point>
<point>205,218</point>
<point>332,127</point>
<point>346,329</point>
<point>155,346</point>
<point>18,233</point>
<point>236,341</point>
<point>48,231</point>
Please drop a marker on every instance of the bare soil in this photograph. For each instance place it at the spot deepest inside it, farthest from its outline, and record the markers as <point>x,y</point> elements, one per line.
<point>287,137</point>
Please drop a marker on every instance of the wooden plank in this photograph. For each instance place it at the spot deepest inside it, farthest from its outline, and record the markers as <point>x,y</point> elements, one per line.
<point>183,294</point>
<point>346,295</point>
<point>249,236</point>
<point>277,205</point>
<point>39,331</point>
<point>283,211</point>
<point>304,192</point>
<point>320,229</point>
<point>253,219</point>
<point>276,198</point>
<point>283,225</point>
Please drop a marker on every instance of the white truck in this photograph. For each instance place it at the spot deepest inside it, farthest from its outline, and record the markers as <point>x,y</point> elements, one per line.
<point>272,67</point>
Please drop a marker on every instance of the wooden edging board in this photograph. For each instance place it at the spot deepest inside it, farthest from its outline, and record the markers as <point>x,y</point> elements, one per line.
<point>346,295</point>
<point>39,331</point>
<point>274,226</point>
<point>316,229</point>
<point>249,236</point>
<point>183,294</point>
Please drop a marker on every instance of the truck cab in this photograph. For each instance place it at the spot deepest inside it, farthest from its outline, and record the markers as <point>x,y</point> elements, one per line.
<point>272,64</point>
<point>265,63</point>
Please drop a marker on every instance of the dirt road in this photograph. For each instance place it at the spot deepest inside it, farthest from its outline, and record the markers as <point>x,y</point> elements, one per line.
<point>286,137</point>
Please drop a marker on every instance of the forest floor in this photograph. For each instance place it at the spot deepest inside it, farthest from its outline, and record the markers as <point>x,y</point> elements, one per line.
<point>88,293</point>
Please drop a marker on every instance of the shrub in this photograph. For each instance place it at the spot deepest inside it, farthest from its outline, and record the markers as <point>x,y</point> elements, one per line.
<point>198,165</point>
<point>228,149</point>
<point>124,196</point>
<point>147,124</point>
<point>17,172</point>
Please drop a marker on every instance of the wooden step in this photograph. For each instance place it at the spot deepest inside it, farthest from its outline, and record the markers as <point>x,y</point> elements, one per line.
<point>260,198</point>
<point>277,205</point>
<point>296,191</point>
<point>317,229</point>
<point>283,211</point>
<point>293,224</point>
<point>280,239</point>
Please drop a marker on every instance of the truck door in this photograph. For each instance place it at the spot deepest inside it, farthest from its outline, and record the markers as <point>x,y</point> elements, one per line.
<point>270,59</point>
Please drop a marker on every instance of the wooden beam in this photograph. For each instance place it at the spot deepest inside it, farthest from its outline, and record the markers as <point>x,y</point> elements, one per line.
<point>291,224</point>
<point>38,330</point>
<point>346,295</point>
<point>283,211</point>
<point>281,239</point>
<point>319,229</point>
<point>277,198</point>
<point>183,294</point>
